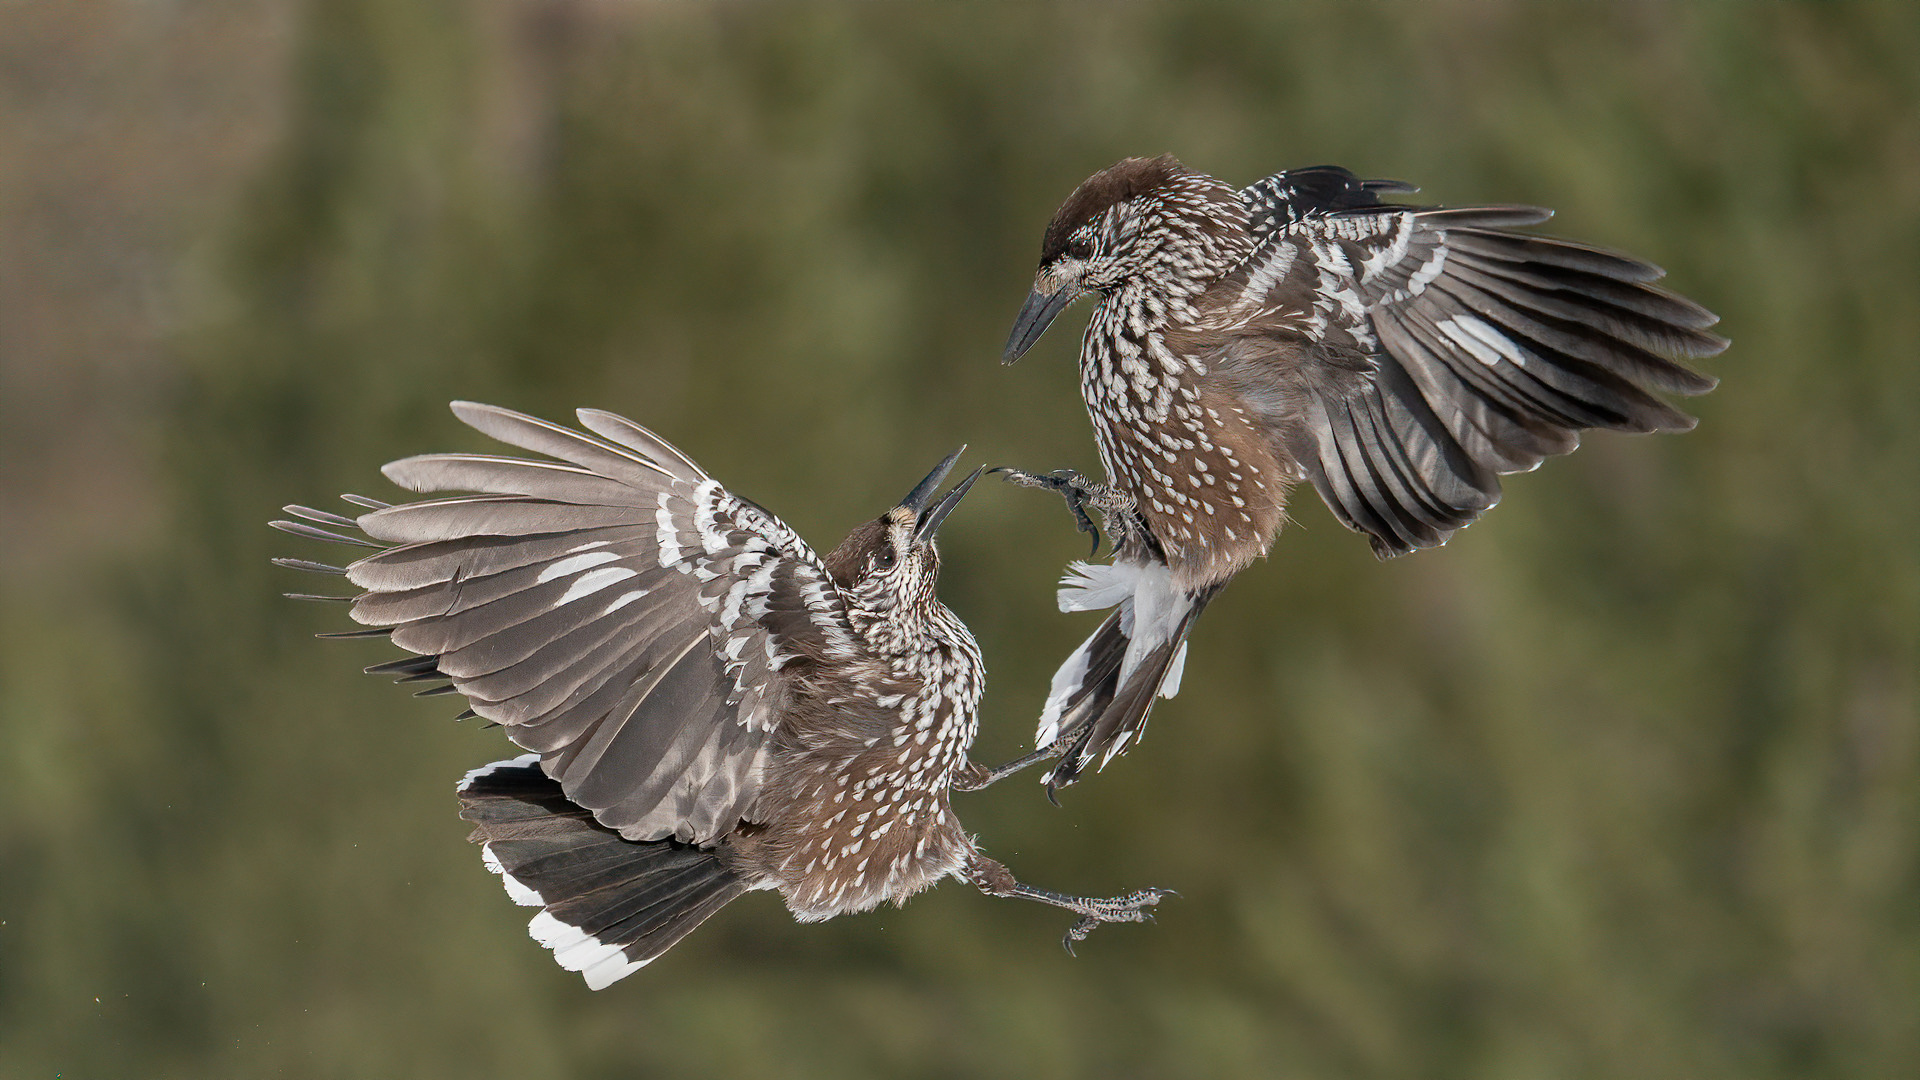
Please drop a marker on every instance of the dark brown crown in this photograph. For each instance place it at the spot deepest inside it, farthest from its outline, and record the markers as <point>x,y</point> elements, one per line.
<point>1111,186</point>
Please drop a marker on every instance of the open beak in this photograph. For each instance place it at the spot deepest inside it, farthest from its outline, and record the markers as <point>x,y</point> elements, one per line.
<point>1036,315</point>
<point>921,501</point>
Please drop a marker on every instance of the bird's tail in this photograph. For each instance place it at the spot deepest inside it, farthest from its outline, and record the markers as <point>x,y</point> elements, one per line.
<point>608,905</point>
<point>1102,695</point>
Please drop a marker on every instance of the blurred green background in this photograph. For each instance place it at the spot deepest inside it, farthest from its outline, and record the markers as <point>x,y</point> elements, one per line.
<point>1624,782</point>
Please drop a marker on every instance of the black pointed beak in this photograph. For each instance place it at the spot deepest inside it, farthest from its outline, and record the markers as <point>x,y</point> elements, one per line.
<point>930,521</point>
<point>921,496</point>
<point>1036,315</point>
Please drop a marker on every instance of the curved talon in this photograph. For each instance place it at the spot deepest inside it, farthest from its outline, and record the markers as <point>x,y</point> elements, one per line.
<point>1078,932</point>
<point>1075,488</point>
<point>1131,908</point>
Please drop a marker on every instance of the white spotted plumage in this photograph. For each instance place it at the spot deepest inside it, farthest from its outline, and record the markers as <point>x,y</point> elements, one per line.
<point>891,833</point>
<point>712,708</point>
<point>1401,358</point>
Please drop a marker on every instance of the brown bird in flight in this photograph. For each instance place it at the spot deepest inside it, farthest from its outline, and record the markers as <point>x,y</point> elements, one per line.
<point>1400,358</point>
<point>710,707</point>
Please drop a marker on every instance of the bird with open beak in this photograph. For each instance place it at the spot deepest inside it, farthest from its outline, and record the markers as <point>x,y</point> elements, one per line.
<point>707,705</point>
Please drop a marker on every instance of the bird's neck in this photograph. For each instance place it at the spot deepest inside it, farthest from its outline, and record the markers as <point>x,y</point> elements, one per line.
<point>940,659</point>
<point>1125,363</point>
<point>909,637</point>
<point>1189,252</point>
<point>1143,395</point>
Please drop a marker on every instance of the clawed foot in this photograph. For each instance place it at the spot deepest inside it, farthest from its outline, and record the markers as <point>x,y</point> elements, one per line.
<point>1079,492</point>
<point>1130,908</point>
<point>996,880</point>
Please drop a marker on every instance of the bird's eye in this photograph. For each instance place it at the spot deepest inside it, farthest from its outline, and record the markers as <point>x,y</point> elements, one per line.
<point>1080,249</point>
<point>883,559</point>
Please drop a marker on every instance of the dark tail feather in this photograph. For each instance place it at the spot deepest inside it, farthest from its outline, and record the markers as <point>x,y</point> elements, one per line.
<point>609,905</point>
<point>1106,717</point>
<point>1085,684</point>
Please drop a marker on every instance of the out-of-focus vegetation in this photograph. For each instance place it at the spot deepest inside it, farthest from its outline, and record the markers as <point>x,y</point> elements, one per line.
<point>1625,782</point>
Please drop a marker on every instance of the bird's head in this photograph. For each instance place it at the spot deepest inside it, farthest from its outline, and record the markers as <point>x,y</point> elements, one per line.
<point>1147,224</point>
<point>889,565</point>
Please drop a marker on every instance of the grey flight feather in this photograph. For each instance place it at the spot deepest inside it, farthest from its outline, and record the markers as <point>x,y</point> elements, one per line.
<point>616,610</point>
<point>1488,350</point>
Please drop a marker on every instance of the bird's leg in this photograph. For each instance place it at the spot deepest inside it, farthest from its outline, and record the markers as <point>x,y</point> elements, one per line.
<point>973,776</point>
<point>1114,505</point>
<point>996,880</point>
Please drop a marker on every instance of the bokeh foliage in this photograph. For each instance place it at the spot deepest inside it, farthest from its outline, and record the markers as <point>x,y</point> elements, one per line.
<point>1625,782</point>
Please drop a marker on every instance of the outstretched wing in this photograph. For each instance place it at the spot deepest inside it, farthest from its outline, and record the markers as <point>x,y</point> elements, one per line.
<point>1427,351</point>
<point>616,609</point>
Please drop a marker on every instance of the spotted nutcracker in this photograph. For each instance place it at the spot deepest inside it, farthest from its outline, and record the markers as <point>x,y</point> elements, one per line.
<point>1401,358</point>
<point>709,706</point>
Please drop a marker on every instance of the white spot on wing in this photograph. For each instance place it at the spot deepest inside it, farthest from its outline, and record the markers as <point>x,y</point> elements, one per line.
<point>1500,342</point>
<point>592,582</point>
<point>574,564</point>
<point>1480,341</point>
<point>1429,270</point>
<point>625,599</point>
<point>1392,253</point>
<point>1268,274</point>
